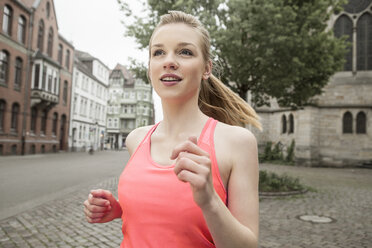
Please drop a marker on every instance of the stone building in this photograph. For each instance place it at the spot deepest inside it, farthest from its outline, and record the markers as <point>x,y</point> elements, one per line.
<point>89,103</point>
<point>130,106</point>
<point>336,130</point>
<point>35,78</point>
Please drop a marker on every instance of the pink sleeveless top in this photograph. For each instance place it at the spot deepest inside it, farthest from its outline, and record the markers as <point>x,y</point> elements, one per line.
<point>158,209</point>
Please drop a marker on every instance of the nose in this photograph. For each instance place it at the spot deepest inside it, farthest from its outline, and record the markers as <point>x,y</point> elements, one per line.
<point>170,62</point>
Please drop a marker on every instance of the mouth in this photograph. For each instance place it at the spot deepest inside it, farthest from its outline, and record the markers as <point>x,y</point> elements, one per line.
<point>170,78</point>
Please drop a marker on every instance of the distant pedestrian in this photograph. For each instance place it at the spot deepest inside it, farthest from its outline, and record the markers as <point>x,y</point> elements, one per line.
<point>192,179</point>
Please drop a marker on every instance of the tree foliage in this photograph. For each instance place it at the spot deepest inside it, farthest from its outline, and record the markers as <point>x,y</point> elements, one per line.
<point>272,48</point>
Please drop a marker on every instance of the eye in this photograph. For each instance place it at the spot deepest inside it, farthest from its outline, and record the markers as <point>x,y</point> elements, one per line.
<point>186,52</point>
<point>158,52</point>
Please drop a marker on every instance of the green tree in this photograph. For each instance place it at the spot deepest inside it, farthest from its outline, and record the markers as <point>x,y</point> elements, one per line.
<point>273,48</point>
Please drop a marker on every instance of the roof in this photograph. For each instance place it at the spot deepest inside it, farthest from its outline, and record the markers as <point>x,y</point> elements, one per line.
<point>129,79</point>
<point>84,56</point>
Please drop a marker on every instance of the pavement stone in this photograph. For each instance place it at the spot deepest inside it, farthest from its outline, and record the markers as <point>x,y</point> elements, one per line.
<point>341,194</point>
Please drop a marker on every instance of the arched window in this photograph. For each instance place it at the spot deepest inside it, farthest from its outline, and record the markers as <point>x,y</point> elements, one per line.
<point>284,124</point>
<point>344,26</point>
<point>21,32</point>
<point>364,42</point>
<point>361,122</point>
<point>42,148</point>
<point>356,6</point>
<point>60,53</point>
<point>4,67</point>
<point>44,116</point>
<point>50,42</point>
<point>40,36</point>
<point>7,20</point>
<point>67,62</point>
<point>18,73</point>
<point>347,123</point>
<point>2,114</point>
<point>65,87</point>
<point>48,9</point>
<point>291,124</point>
<point>14,119</point>
<point>33,119</point>
<point>55,121</point>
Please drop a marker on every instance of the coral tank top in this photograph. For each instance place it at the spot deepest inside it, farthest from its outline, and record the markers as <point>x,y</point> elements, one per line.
<point>158,209</point>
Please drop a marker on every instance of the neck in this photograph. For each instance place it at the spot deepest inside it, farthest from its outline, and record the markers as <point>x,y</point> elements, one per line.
<point>182,118</point>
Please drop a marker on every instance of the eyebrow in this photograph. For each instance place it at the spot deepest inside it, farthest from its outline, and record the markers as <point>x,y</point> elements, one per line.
<point>179,44</point>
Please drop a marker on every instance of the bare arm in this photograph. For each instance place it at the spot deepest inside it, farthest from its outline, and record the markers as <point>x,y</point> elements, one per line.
<point>237,225</point>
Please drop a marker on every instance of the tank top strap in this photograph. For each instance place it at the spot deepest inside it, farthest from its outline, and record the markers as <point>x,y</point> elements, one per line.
<point>207,144</point>
<point>206,137</point>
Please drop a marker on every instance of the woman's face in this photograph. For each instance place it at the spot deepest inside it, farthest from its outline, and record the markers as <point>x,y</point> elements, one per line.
<point>176,65</point>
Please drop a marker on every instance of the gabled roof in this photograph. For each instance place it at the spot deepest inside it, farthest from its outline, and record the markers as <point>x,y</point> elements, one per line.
<point>129,79</point>
<point>84,56</point>
<point>34,4</point>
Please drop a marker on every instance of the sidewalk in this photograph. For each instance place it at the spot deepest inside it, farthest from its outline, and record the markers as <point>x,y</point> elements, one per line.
<point>342,194</point>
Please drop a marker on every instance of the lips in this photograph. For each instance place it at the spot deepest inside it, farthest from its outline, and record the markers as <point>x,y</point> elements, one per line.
<point>170,79</point>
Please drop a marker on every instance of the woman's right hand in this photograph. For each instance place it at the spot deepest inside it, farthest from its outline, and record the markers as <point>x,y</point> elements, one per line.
<point>101,206</point>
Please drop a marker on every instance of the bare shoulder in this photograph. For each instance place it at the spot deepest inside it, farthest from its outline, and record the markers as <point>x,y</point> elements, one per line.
<point>235,137</point>
<point>235,144</point>
<point>135,137</point>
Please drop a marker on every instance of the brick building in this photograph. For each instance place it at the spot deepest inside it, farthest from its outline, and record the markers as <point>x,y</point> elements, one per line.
<point>35,78</point>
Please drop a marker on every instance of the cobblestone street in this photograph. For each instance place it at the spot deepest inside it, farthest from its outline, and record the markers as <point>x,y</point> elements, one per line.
<point>341,194</point>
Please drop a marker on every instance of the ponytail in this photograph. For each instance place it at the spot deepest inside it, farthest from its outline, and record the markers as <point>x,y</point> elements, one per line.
<point>218,101</point>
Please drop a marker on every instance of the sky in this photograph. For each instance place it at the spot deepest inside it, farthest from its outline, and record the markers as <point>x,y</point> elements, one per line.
<point>95,26</point>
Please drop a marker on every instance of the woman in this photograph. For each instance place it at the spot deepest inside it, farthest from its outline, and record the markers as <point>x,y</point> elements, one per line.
<point>192,179</point>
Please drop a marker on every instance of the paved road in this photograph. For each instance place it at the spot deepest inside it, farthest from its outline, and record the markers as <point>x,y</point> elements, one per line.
<point>341,194</point>
<point>28,181</point>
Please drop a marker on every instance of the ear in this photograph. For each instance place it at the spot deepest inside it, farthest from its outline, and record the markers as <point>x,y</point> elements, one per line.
<point>208,70</point>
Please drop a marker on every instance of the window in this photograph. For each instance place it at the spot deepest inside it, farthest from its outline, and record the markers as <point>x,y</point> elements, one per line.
<point>43,81</point>
<point>21,32</point>
<point>361,123</point>
<point>4,67</point>
<point>60,53</point>
<point>2,114</point>
<point>65,86</point>
<point>40,36</point>
<point>42,148</point>
<point>347,123</point>
<point>284,124</point>
<point>291,124</point>
<point>55,121</point>
<point>48,9</point>
<point>364,42</point>
<point>18,73</point>
<point>67,62</point>
<point>33,149</point>
<point>33,119</point>
<point>7,20</point>
<point>74,105</point>
<point>14,119</point>
<point>44,115</point>
<point>50,42</point>
<point>344,26</point>
<point>37,76</point>
<point>14,149</point>
<point>50,83</point>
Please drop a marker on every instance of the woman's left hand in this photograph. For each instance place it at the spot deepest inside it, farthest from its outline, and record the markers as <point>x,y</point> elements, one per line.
<point>193,165</point>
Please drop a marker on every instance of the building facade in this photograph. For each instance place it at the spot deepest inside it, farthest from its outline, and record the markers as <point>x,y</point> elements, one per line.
<point>336,130</point>
<point>35,79</point>
<point>130,106</point>
<point>89,103</point>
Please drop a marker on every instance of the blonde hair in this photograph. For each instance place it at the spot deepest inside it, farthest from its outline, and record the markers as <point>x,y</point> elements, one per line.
<point>215,99</point>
